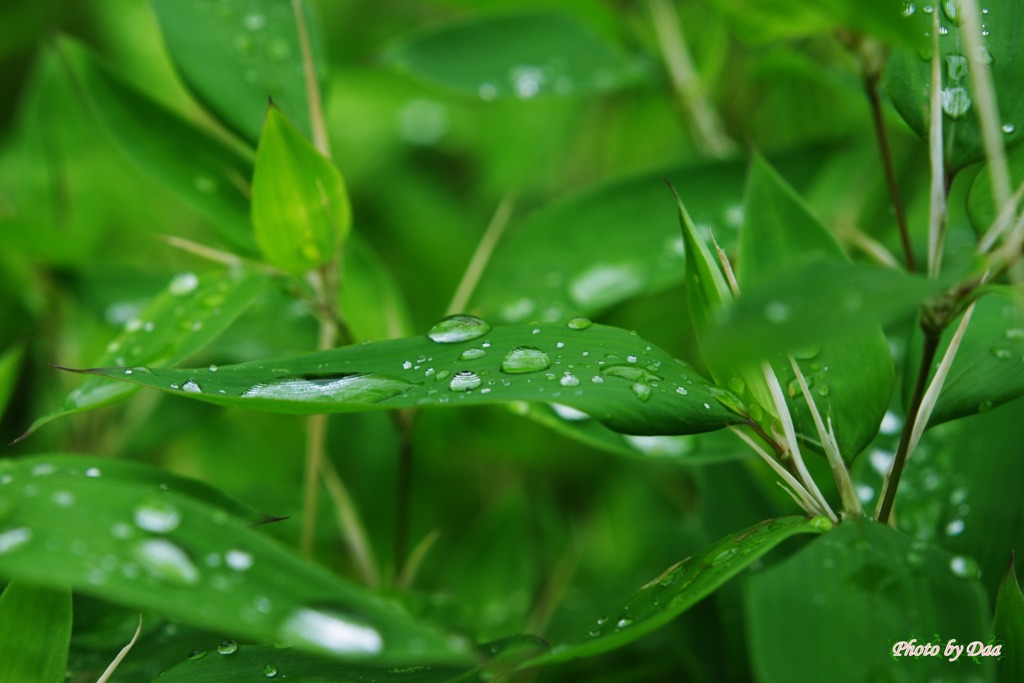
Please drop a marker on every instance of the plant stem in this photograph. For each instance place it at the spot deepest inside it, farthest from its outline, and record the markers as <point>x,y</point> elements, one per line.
<point>892,479</point>
<point>708,131</point>
<point>940,182</point>
<point>351,526</point>
<point>493,233</point>
<point>871,86</point>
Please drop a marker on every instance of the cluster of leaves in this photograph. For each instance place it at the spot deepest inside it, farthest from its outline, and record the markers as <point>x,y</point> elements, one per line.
<point>316,214</point>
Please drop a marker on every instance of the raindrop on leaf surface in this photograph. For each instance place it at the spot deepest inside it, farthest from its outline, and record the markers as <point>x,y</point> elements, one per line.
<point>458,328</point>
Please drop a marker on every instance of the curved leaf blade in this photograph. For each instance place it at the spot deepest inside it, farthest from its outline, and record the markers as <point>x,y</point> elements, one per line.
<point>516,55</point>
<point>610,374</point>
<point>254,46</point>
<point>178,322</point>
<point>1009,625</point>
<point>132,543</point>
<point>681,586</point>
<point>36,627</point>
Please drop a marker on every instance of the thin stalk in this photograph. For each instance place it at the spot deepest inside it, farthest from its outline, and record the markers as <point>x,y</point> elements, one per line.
<point>797,490</point>
<point>1003,221</point>
<point>416,557</point>
<point>316,109</point>
<point>871,87</point>
<point>109,671</point>
<point>867,244</point>
<point>708,131</point>
<point>351,526</point>
<point>985,100</point>
<point>937,205</point>
<point>482,255</point>
<point>201,250</point>
<point>892,478</point>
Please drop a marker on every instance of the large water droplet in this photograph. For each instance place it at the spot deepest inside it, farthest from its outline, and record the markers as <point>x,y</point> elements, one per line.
<point>1009,128</point>
<point>569,380</point>
<point>579,324</point>
<point>951,9</point>
<point>192,387</point>
<point>227,647</point>
<point>956,67</point>
<point>524,359</point>
<point>908,9</point>
<point>270,671</point>
<point>458,328</point>
<point>464,381</point>
<point>358,388</point>
<point>14,538</point>
<point>166,562</point>
<point>182,284</point>
<point>158,516</point>
<point>955,101</point>
<point>332,633</point>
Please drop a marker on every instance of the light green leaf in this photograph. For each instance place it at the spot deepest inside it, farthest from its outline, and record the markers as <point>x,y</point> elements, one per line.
<point>610,374</point>
<point>681,586</point>
<point>36,627</point>
<point>515,55</point>
<point>198,167</point>
<point>1009,626</point>
<point>258,663</point>
<point>850,596</point>
<point>989,366</point>
<point>136,544</point>
<point>300,208</point>
<point>583,254</point>
<point>236,56</point>
<point>852,371</point>
<point>908,78</point>
<point>178,322</point>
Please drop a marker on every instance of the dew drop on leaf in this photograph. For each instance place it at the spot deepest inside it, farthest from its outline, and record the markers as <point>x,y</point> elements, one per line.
<point>331,632</point>
<point>579,324</point>
<point>955,101</point>
<point>166,562</point>
<point>464,381</point>
<point>157,516</point>
<point>473,354</point>
<point>14,538</point>
<point>227,647</point>
<point>525,359</point>
<point>458,328</point>
<point>196,654</point>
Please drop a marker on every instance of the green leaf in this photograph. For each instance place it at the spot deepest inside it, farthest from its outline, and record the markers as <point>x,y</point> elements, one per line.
<point>300,208</point>
<point>850,597</point>
<point>681,586</point>
<point>258,663</point>
<point>515,55</point>
<point>136,544</point>
<point>610,374</point>
<point>236,56</point>
<point>583,254</point>
<point>36,627</point>
<point>769,21</point>
<point>10,366</point>
<point>1009,626</point>
<point>852,370</point>
<point>198,167</point>
<point>979,200</point>
<point>908,79</point>
<point>178,322</point>
<point>988,369</point>
<point>374,305</point>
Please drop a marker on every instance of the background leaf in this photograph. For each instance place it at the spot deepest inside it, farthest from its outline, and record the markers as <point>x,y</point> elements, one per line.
<point>236,56</point>
<point>36,627</point>
<point>612,375</point>
<point>133,543</point>
<point>855,593</point>
<point>979,199</point>
<point>515,55</point>
<point>908,79</point>
<point>1009,626</point>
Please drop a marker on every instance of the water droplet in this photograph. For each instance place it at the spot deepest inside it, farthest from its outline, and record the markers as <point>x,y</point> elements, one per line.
<point>192,387</point>
<point>254,21</point>
<point>927,9</point>
<point>270,671</point>
<point>1009,128</point>
<point>1002,353</point>
<point>681,391</point>
<point>604,284</point>
<point>943,31</point>
<point>458,328</point>
<point>527,80</point>
<point>624,622</point>
<point>182,284</point>
<point>239,560</point>
<point>227,647</point>
<point>64,499</point>
<point>359,389</point>
<point>157,516</point>
<point>569,380</point>
<point>908,9</point>
<point>865,493</point>
<point>955,527</point>
<point>982,55</point>
<point>579,324</point>
<point>196,654</point>
<point>473,354</point>
<point>464,381</point>
<point>964,567</point>
<point>823,390</point>
<point>724,556</point>
<point>330,632</point>
<point>14,538</point>
<point>776,312</point>
<point>525,359</point>
<point>955,101</point>
<point>642,391</point>
<point>984,406</point>
<point>166,562</point>
<point>956,67</point>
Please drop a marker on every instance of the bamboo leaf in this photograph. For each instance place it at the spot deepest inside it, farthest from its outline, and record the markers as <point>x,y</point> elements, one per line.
<point>36,627</point>
<point>1009,626</point>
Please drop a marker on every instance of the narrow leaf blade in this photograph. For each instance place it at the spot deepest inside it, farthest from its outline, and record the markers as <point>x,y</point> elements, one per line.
<point>1009,626</point>
<point>36,627</point>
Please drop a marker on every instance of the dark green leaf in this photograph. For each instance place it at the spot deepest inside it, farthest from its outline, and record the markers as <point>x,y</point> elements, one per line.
<point>36,627</point>
<point>181,320</point>
<point>134,543</point>
<point>583,254</point>
<point>989,366</point>
<point>10,365</point>
<point>840,605</point>
<point>198,167</point>
<point>236,56</point>
<point>1009,626</point>
<point>515,55</point>
<point>300,208</point>
<point>908,78</point>
<point>681,586</point>
<point>613,376</point>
